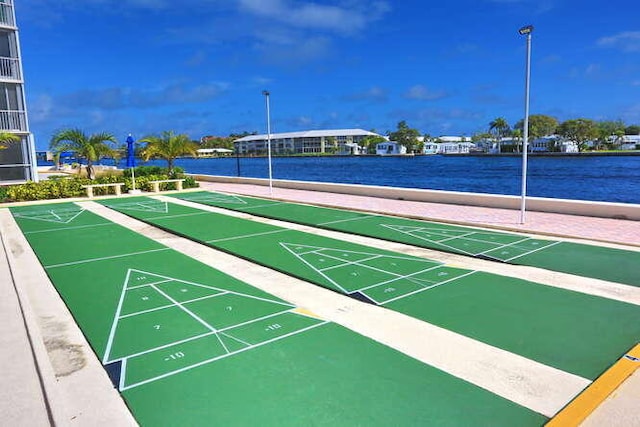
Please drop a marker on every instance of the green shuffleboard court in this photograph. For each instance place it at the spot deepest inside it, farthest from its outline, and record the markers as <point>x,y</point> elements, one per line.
<point>577,333</point>
<point>188,345</point>
<point>598,262</point>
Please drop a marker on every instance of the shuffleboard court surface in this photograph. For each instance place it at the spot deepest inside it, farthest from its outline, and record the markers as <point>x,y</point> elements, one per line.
<point>571,331</point>
<point>616,265</point>
<point>188,345</point>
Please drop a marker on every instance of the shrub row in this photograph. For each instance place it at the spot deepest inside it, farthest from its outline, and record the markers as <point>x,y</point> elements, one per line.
<point>65,187</point>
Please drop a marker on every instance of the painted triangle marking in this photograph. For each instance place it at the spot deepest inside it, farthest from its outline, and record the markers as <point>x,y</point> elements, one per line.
<point>157,206</point>
<point>60,216</point>
<point>215,198</point>
<point>192,342</point>
<point>424,233</point>
<point>393,270</point>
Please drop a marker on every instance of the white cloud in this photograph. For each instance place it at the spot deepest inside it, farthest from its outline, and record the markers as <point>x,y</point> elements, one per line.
<point>309,15</point>
<point>592,69</point>
<point>422,93</point>
<point>118,98</point>
<point>373,94</point>
<point>627,41</point>
<point>40,109</point>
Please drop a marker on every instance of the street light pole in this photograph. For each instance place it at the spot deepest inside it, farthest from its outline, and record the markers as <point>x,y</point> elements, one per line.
<point>525,31</point>
<point>266,95</point>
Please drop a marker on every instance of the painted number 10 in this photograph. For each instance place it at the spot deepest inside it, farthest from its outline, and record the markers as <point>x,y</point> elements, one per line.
<point>174,356</point>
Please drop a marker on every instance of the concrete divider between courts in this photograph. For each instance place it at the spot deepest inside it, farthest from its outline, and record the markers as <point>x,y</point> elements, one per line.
<point>626,211</point>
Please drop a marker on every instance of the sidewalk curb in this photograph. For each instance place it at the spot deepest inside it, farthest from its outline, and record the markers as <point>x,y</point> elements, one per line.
<point>82,396</point>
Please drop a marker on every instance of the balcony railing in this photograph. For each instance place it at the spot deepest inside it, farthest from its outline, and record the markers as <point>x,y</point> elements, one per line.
<point>7,18</point>
<point>10,69</point>
<point>13,120</point>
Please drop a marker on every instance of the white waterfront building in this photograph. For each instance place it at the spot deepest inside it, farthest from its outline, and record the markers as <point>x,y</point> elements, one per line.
<point>330,141</point>
<point>448,145</point>
<point>630,142</point>
<point>17,159</point>
<point>390,148</point>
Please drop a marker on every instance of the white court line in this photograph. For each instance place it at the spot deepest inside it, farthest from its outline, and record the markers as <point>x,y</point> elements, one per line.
<point>348,219</point>
<point>123,373</point>
<point>36,215</point>
<point>358,263</point>
<point>427,288</point>
<point>114,323</point>
<point>105,258</point>
<point>149,206</point>
<point>148,284</point>
<point>315,269</point>
<point>266,205</point>
<point>497,244</point>
<point>77,227</point>
<point>215,288</point>
<point>235,338</point>
<point>426,240</point>
<point>347,262</point>
<point>162,347</point>
<point>204,362</point>
<point>400,277</point>
<point>228,328</point>
<point>150,310</point>
<point>535,250</point>
<point>74,209</point>
<point>462,236</point>
<point>212,199</point>
<point>246,235</point>
<point>176,215</point>
<point>504,246</point>
<point>186,310</point>
<point>195,337</point>
<point>222,343</point>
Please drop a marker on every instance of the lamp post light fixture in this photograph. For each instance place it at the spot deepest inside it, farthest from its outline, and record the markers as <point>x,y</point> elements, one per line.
<point>525,31</point>
<point>266,96</point>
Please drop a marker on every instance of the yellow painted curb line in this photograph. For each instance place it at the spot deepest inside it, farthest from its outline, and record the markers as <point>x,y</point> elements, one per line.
<point>306,312</point>
<point>587,401</point>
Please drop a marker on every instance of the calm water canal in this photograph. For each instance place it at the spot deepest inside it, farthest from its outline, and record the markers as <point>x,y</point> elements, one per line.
<point>601,178</point>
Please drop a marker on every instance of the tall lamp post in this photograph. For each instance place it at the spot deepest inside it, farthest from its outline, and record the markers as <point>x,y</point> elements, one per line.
<point>525,31</point>
<point>266,97</point>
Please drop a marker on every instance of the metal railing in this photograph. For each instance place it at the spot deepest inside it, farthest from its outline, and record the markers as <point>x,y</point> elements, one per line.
<point>7,18</point>
<point>10,68</point>
<point>12,120</point>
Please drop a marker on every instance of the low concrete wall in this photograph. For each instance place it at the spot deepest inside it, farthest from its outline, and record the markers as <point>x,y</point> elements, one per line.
<point>539,204</point>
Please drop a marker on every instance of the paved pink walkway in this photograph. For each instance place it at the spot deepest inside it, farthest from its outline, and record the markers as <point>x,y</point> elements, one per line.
<point>602,229</point>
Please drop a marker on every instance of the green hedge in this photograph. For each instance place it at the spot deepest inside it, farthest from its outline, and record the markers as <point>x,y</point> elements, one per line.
<point>65,187</point>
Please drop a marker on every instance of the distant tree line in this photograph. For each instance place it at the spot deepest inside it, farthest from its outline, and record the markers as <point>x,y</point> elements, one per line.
<point>605,135</point>
<point>222,141</point>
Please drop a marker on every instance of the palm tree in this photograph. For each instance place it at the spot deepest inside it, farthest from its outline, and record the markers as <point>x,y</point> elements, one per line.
<point>168,146</point>
<point>7,137</point>
<point>516,134</point>
<point>89,147</point>
<point>499,127</point>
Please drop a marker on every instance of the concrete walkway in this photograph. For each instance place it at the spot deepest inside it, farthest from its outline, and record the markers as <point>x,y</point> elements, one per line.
<point>51,384</point>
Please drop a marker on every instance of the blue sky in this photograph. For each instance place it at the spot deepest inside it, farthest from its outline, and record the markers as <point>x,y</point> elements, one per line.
<point>199,66</point>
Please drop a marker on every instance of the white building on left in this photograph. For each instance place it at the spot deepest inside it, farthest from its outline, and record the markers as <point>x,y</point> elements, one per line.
<point>17,159</point>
